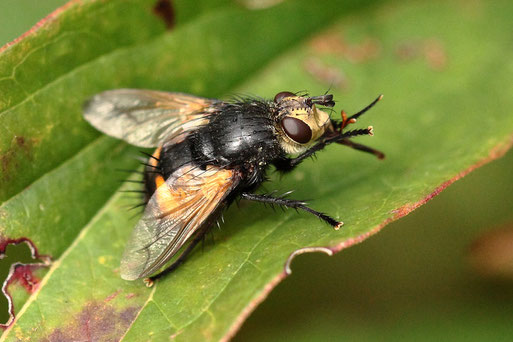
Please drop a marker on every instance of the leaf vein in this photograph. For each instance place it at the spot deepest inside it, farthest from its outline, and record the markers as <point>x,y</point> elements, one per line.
<point>204,310</point>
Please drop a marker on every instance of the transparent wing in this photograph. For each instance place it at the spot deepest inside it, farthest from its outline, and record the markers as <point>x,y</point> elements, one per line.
<point>176,210</point>
<point>146,117</point>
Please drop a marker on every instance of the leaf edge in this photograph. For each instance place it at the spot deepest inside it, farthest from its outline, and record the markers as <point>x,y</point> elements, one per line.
<point>495,153</point>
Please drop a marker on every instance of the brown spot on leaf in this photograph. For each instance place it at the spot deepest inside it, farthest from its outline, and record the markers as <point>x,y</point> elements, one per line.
<point>407,51</point>
<point>324,73</point>
<point>435,54</point>
<point>95,322</point>
<point>112,296</point>
<point>20,273</point>
<point>23,275</point>
<point>165,10</point>
<point>8,159</point>
<point>20,141</point>
<point>334,43</point>
<point>431,50</point>
<point>491,254</point>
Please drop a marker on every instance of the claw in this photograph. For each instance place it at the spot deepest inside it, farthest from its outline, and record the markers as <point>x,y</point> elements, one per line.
<point>340,224</point>
<point>148,282</point>
<point>285,194</point>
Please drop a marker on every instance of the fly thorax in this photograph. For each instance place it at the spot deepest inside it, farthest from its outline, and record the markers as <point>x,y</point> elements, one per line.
<point>243,133</point>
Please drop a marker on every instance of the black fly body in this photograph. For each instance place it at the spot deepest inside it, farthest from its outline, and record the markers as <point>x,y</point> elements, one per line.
<point>208,154</point>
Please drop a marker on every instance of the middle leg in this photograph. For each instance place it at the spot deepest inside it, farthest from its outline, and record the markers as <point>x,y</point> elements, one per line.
<point>295,204</point>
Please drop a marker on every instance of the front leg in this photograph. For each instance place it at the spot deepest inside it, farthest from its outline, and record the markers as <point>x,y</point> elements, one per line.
<point>286,164</point>
<point>285,202</point>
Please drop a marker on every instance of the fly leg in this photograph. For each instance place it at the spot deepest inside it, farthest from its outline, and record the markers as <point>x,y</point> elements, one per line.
<point>363,148</point>
<point>295,204</point>
<point>286,164</point>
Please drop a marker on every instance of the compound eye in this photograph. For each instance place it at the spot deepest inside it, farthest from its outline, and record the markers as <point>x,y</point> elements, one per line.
<point>297,130</point>
<point>282,95</point>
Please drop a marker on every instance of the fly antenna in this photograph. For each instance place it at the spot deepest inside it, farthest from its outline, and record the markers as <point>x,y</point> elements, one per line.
<point>327,91</point>
<point>357,115</point>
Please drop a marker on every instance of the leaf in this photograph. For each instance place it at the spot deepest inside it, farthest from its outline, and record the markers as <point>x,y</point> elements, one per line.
<point>69,56</point>
<point>413,281</point>
<point>437,122</point>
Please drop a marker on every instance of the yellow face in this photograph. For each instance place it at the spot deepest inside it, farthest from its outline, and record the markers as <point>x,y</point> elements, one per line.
<point>300,122</point>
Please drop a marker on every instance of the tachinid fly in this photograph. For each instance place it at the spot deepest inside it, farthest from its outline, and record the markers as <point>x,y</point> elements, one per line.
<point>209,153</point>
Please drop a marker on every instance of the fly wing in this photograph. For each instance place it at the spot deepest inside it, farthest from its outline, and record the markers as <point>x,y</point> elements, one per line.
<point>146,117</point>
<point>179,206</point>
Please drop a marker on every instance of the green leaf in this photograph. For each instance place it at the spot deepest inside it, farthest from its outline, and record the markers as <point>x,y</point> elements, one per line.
<point>439,66</point>
<point>411,282</point>
<point>45,77</point>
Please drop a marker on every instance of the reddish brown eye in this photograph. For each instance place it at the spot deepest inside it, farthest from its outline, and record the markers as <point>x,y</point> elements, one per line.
<point>282,95</point>
<point>297,130</point>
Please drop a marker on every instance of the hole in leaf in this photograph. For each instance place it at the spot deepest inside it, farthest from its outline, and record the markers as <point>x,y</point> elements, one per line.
<point>18,261</point>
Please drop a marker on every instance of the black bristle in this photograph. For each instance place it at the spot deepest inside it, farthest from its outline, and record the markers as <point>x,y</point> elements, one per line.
<point>129,171</point>
<point>132,181</point>
<point>150,156</point>
<point>152,166</point>
<point>137,206</point>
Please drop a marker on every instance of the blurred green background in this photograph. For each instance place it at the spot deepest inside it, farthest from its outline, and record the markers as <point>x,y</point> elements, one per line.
<point>18,16</point>
<point>413,280</point>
